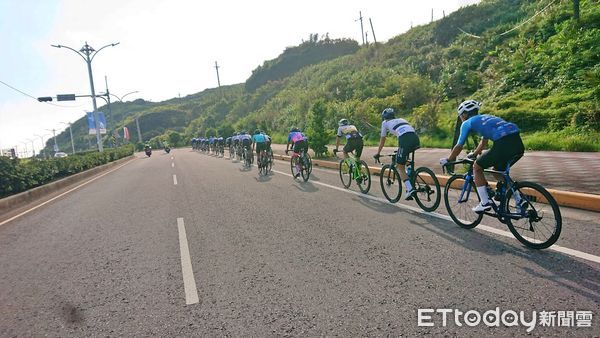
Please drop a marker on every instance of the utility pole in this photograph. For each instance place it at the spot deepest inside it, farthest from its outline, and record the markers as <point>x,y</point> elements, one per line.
<point>217,69</point>
<point>432,15</point>
<point>32,148</point>
<point>362,32</point>
<point>54,135</point>
<point>71,133</point>
<point>88,53</point>
<point>367,38</point>
<point>137,123</point>
<point>372,30</point>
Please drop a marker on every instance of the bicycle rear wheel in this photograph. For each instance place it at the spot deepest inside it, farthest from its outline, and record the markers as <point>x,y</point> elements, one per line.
<point>364,180</point>
<point>460,200</point>
<point>293,165</point>
<point>345,173</point>
<point>541,223</point>
<point>426,184</point>
<point>390,182</point>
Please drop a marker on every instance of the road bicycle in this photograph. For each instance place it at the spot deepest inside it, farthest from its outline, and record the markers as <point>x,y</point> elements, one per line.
<point>528,209</point>
<point>423,180</point>
<point>247,157</point>
<point>301,163</point>
<point>265,163</point>
<point>351,169</point>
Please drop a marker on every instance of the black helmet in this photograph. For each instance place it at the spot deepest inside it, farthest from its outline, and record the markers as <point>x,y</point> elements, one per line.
<point>388,114</point>
<point>256,132</point>
<point>294,129</point>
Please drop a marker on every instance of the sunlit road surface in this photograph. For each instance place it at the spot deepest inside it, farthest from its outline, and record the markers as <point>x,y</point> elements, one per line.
<point>186,244</point>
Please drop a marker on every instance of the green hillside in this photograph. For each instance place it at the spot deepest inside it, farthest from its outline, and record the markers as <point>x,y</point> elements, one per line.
<point>528,62</point>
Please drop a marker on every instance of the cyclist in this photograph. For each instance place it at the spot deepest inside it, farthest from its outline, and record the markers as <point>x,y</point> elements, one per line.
<point>299,143</point>
<point>507,147</point>
<point>354,139</point>
<point>268,143</point>
<point>408,141</point>
<point>259,142</point>
<point>246,143</point>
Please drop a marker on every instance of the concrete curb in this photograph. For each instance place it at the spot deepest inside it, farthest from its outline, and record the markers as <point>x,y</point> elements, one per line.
<point>19,200</point>
<point>564,198</point>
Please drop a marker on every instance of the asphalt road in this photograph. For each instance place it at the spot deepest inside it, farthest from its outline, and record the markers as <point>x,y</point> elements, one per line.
<point>271,256</point>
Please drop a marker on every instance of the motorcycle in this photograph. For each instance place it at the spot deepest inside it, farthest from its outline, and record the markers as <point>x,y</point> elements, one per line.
<point>167,149</point>
<point>148,152</point>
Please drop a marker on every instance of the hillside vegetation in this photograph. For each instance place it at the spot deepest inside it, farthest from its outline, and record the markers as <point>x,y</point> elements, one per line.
<point>528,62</point>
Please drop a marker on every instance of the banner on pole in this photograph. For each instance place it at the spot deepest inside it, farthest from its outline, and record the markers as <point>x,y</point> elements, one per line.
<point>92,125</point>
<point>126,133</point>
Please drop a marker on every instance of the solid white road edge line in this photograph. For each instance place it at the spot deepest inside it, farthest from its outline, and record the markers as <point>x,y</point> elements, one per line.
<point>189,283</point>
<point>174,179</point>
<point>64,193</point>
<point>557,248</point>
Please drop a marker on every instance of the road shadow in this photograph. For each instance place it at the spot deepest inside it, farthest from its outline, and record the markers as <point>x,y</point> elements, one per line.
<point>376,205</point>
<point>263,178</point>
<point>305,186</point>
<point>246,169</point>
<point>561,269</point>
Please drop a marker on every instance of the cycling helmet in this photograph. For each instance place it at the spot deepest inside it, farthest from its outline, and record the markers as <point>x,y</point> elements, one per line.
<point>294,129</point>
<point>256,132</point>
<point>388,114</point>
<point>471,107</point>
<point>343,122</point>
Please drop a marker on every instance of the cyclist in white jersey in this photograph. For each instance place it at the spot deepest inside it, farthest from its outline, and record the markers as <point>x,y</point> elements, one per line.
<point>408,141</point>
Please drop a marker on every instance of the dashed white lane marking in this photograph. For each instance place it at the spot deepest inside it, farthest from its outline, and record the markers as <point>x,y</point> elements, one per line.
<point>189,283</point>
<point>64,193</point>
<point>172,165</point>
<point>172,157</point>
<point>557,248</point>
<point>174,179</point>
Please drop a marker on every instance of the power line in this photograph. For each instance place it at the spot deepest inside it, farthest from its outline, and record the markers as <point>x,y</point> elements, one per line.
<point>512,29</point>
<point>35,98</point>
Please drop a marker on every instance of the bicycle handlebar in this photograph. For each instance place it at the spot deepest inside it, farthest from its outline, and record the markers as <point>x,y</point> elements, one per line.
<point>449,166</point>
<point>385,155</point>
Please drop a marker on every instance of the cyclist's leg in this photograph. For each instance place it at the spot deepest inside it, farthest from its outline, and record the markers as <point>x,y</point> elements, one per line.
<point>407,143</point>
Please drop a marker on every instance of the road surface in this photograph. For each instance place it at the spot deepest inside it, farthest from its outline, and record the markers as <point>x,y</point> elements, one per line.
<point>186,244</point>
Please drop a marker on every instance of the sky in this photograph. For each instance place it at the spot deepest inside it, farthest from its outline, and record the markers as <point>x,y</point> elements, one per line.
<point>166,48</point>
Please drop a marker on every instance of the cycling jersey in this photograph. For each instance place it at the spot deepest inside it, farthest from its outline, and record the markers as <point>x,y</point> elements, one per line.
<point>259,138</point>
<point>296,136</point>
<point>245,137</point>
<point>488,126</point>
<point>348,131</point>
<point>398,127</point>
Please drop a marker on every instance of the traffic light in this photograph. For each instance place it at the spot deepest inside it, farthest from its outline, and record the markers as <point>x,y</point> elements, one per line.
<point>45,99</point>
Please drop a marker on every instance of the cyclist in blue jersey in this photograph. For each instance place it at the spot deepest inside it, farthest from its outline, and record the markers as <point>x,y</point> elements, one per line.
<point>408,141</point>
<point>268,142</point>
<point>259,143</point>
<point>507,147</point>
<point>246,143</point>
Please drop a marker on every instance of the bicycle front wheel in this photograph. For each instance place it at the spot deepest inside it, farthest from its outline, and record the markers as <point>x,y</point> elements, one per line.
<point>428,189</point>
<point>460,197</point>
<point>364,179</point>
<point>345,173</point>
<point>541,223</point>
<point>390,182</point>
<point>294,165</point>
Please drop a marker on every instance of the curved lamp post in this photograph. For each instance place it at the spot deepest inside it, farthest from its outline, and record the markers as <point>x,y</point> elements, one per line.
<point>88,53</point>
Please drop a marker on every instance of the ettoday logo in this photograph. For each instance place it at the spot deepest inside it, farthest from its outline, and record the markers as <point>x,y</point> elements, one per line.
<point>508,318</point>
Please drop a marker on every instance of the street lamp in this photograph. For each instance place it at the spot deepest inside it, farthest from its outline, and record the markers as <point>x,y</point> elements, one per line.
<point>54,134</point>
<point>70,132</point>
<point>32,147</point>
<point>43,144</point>
<point>88,53</point>
<point>26,151</point>
<point>123,97</point>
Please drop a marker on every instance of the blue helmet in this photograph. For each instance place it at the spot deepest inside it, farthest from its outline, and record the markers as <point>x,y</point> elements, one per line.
<point>388,114</point>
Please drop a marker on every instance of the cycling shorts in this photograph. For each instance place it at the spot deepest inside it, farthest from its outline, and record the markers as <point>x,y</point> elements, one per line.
<point>354,144</point>
<point>407,143</point>
<point>300,145</point>
<point>506,149</point>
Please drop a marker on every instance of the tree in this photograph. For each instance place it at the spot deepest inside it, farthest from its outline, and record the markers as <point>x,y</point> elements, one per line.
<point>317,134</point>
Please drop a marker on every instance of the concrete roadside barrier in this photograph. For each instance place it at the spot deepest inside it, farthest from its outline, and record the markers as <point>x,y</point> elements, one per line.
<point>563,198</point>
<point>14,202</point>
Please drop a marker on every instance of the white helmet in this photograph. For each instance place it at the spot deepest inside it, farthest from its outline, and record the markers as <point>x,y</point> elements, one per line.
<point>468,107</point>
